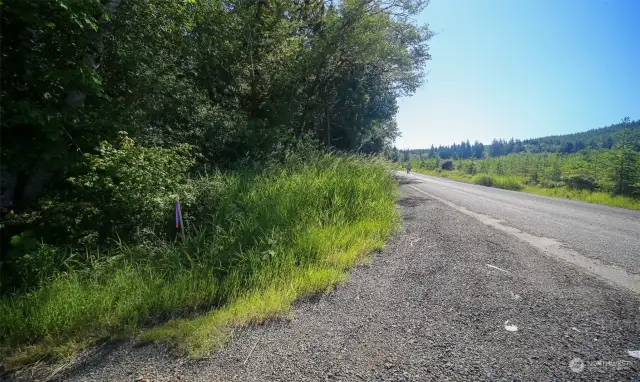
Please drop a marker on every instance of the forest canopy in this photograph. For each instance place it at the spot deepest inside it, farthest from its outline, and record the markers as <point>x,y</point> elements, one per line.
<point>111,110</point>
<point>237,81</point>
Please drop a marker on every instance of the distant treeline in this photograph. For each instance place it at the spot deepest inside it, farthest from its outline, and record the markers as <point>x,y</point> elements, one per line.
<point>602,138</point>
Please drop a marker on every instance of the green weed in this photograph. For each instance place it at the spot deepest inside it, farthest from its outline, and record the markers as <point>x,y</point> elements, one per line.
<point>587,196</point>
<point>513,183</point>
<point>268,239</point>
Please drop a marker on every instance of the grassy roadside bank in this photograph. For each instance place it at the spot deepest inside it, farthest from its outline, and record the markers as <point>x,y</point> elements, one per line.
<point>269,238</point>
<point>516,183</point>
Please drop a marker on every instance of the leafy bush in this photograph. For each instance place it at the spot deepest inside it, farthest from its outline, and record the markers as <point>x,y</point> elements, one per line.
<point>580,182</point>
<point>546,183</point>
<point>121,195</point>
<point>299,225</point>
<point>32,263</point>
<point>483,180</point>
<point>505,182</point>
<point>513,183</point>
<point>471,168</point>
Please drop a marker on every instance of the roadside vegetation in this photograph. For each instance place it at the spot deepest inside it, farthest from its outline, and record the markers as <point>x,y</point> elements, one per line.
<point>602,176</point>
<point>256,242</point>
<point>265,119</point>
<point>599,166</point>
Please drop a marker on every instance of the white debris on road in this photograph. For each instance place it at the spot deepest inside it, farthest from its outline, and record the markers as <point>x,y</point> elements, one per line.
<point>510,328</point>
<point>494,267</point>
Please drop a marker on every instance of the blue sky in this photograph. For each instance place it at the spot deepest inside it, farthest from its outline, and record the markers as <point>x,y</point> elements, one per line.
<point>523,69</point>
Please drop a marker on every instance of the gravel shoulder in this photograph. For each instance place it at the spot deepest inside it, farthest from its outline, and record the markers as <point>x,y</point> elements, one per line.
<point>427,307</point>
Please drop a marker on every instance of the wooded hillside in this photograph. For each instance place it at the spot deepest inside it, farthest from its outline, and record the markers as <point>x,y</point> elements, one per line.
<point>602,138</point>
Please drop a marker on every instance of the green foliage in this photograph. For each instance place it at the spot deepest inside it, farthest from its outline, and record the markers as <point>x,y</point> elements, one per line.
<point>300,225</point>
<point>589,175</point>
<point>587,169</point>
<point>236,80</point>
<point>203,88</point>
<point>122,193</point>
<point>130,188</point>
<point>587,196</point>
<point>581,182</point>
<point>604,137</point>
<point>429,164</point>
<point>471,168</point>
<point>483,180</point>
<point>46,76</point>
<point>34,263</point>
<point>513,183</point>
<point>626,170</point>
<point>572,176</point>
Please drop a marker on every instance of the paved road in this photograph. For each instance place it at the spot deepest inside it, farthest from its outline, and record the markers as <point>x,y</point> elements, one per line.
<point>608,235</point>
<point>457,295</point>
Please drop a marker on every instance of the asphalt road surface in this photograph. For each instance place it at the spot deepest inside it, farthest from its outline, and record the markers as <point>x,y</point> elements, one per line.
<point>603,240</point>
<point>481,284</point>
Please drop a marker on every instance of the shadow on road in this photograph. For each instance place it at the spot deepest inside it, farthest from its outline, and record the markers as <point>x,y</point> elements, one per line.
<point>403,180</point>
<point>412,201</point>
<point>92,358</point>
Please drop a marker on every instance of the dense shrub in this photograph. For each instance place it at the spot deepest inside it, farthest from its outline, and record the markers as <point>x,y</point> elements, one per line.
<point>120,195</point>
<point>471,168</point>
<point>258,230</point>
<point>547,183</point>
<point>505,182</point>
<point>483,180</point>
<point>513,183</point>
<point>610,177</point>
<point>431,164</point>
<point>580,182</point>
<point>122,192</point>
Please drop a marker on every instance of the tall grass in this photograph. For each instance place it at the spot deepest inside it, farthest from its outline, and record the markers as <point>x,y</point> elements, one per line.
<point>268,238</point>
<point>587,196</point>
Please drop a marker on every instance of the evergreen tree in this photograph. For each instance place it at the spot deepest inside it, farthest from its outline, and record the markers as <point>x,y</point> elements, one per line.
<point>607,143</point>
<point>478,150</point>
<point>568,147</point>
<point>432,152</point>
<point>495,150</point>
<point>626,170</point>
